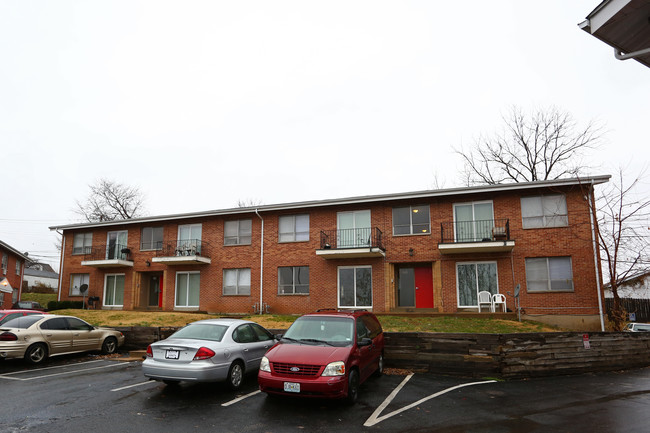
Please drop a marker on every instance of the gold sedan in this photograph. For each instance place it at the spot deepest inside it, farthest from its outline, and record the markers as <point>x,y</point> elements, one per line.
<point>37,337</point>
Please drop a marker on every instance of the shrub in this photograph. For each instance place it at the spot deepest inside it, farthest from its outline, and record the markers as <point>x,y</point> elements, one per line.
<point>64,305</point>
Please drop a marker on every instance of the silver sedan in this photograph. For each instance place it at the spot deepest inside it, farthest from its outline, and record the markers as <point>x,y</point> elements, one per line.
<point>210,350</point>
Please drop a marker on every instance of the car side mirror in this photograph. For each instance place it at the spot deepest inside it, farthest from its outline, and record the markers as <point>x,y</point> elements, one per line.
<point>364,342</point>
<point>278,336</point>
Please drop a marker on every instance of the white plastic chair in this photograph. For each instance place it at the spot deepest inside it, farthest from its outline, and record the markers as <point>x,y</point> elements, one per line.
<point>499,299</point>
<point>485,298</point>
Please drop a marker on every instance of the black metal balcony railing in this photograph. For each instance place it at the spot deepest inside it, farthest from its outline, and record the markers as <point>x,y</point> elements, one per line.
<point>183,247</point>
<point>475,231</point>
<point>107,252</point>
<point>352,238</point>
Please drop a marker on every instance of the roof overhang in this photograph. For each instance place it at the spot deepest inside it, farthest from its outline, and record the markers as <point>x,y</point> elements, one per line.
<point>410,196</point>
<point>624,25</point>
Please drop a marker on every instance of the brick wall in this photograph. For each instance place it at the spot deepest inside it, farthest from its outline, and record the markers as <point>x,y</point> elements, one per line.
<point>573,241</point>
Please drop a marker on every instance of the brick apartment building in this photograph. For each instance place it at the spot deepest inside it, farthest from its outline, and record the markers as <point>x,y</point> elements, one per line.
<point>12,268</point>
<point>427,251</point>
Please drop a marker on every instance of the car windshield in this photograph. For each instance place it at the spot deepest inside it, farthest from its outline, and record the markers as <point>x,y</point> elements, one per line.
<point>201,331</point>
<point>23,322</point>
<point>335,331</point>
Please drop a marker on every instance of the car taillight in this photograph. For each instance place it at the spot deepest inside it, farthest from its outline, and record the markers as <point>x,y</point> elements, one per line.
<point>204,353</point>
<point>8,336</point>
<point>149,352</point>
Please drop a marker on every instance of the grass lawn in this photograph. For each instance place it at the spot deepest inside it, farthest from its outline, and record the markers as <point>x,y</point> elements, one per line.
<point>271,321</point>
<point>41,298</point>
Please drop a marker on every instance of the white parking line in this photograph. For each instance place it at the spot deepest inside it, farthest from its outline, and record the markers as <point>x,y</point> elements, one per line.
<point>231,402</point>
<point>65,372</point>
<point>49,368</point>
<point>149,382</point>
<point>376,419</point>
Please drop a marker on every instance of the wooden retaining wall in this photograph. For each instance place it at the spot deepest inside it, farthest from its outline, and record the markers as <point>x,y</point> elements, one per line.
<point>489,355</point>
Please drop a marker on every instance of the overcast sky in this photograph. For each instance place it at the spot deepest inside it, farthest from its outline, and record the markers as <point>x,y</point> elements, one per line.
<point>203,103</point>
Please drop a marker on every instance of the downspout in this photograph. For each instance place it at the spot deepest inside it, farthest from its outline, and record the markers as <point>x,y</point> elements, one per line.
<point>261,262</point>
<point>61,264</point>
<point>592,205</point>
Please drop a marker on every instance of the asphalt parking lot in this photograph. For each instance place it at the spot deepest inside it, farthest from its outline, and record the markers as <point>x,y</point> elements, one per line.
<point>90,393</point>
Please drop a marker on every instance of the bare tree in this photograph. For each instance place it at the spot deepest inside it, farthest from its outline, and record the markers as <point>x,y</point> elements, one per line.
<point>109,201</point>
<point>623,236</point>
<point>249,202</point>
<point>544,144</point>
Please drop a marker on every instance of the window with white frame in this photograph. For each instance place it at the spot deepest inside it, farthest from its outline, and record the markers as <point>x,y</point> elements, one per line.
<point>549,274</point>
<point>187,289</point>
<point>355,286</point>
<point>151,238</point>
<point>237,281</point>
<point>473,221</point>
<point>82,243</point>
<point>18,263</point>
<point>472,278</point>
<point>5,263</point>
<point>238,232</point>
<point>294,228</point>
<point>544,211</point>
<point>189,239</point>
<point>76,280</point>
<point>114,290</point>
<point>116,242</point>
<point>411,220</point>
<point>293,280</point>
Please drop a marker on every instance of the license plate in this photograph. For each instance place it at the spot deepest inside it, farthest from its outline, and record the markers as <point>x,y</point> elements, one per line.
<point>291,387</point>
<point>172,354</point>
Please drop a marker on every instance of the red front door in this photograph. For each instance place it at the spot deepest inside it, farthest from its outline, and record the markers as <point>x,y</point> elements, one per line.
<point>160,295</point>
<point>423,287</point>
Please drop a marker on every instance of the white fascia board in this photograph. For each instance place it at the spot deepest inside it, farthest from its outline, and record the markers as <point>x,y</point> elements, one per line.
<point>603,13</point>
<point>416,195</point>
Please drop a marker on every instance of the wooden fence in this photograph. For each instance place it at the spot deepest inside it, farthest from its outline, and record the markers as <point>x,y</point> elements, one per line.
<point>640,307</point>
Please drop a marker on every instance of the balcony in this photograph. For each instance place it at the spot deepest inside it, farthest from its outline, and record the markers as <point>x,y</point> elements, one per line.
<point>480,236</point>
<point>183,252</point>
<point>111,256</point>
<point>351,243</point>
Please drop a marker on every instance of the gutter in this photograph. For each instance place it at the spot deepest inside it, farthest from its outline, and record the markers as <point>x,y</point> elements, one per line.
<point>261,261</point>
<point>633,55</point>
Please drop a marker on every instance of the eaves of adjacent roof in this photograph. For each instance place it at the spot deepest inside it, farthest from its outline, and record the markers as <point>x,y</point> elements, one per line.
<point>15,251</point>
<point>557,183</point>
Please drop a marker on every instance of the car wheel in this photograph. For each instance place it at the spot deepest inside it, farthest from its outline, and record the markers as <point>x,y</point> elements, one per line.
<point>109,346</point>
<point>380,367</point>
<point>235,375</point>
<point>36,353</point>
<point>353,387</point>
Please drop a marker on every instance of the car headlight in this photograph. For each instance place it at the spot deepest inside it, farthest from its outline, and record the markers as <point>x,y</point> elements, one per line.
<point>334,369</point>
<point>265,365</point>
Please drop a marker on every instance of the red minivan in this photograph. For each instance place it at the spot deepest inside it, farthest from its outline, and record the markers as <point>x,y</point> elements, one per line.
<point>326,354</point>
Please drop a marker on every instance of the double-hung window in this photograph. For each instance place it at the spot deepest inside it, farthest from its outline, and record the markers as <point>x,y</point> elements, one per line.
<point>355,286</point>
<point>151,238</point>
<point>473,278</point>
<point>18,263</point>
<point>411,220</point>
<point>238,232</point>
<point>76,280</point>
<point>82,243</point>
<point>293,280</point>
<point>294,228</point>
<point>5,263</point>
<point>237,281</point>
<point>544,211</point>
<point>114,290</point>
<point>549,274</point>
<point>187,289</point>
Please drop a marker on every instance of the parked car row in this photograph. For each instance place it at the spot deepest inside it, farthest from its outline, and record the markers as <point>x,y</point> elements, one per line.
<point>326,354</point>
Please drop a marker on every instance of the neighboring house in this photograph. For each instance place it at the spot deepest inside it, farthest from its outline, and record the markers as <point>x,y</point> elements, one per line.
<point>427,251</point>
<point>623,25</point>
<point>636,286</point>
<point>11,268</point>
<point>41,274</point>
